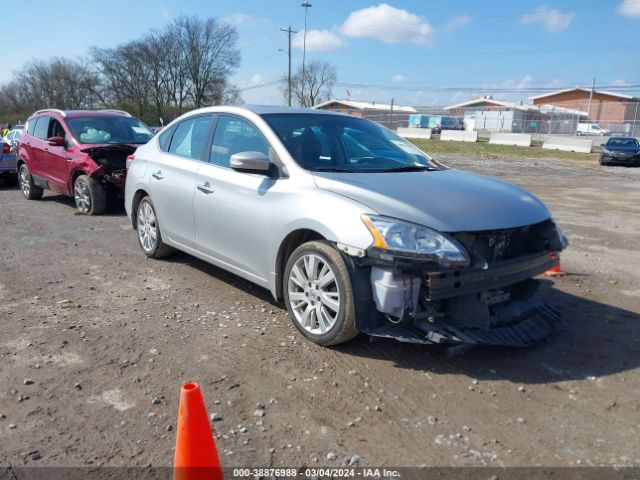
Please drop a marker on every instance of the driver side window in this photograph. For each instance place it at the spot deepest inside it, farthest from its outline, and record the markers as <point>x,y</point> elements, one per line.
<point>235,135</point>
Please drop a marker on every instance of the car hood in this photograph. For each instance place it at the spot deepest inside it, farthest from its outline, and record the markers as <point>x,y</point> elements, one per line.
<point>445,200</point>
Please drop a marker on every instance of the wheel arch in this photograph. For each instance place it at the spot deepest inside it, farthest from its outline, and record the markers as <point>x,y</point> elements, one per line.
<point>292,241</point>
<point>137,198</point>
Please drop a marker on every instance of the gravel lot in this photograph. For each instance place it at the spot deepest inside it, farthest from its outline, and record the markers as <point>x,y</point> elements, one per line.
<point>95,341</point>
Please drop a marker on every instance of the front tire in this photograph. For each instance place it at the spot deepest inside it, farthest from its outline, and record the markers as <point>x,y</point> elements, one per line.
<point>149,235</point>
<point>90,196</point>
<point>29,189</point>
<point>318,294</point>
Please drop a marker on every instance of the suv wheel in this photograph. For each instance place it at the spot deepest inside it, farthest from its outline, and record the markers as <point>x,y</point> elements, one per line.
<point>90,196</point>
<point>318,294</point>
<point>29,189</point>
<point>149,234</point>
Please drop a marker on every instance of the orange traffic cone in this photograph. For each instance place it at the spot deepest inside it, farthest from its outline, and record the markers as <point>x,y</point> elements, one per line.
<point>196,454</point>
<point>555,270</point>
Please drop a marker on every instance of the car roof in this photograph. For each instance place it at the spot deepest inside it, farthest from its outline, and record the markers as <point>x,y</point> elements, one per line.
<point>81,113</point>
<point>623,138</point>
<point>267,109</point>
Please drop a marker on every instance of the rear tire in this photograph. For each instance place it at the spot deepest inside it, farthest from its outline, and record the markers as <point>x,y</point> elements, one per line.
<point>90,196</point>
<point>29,189</point>
<point>318,294</point>
<point>149,235</point>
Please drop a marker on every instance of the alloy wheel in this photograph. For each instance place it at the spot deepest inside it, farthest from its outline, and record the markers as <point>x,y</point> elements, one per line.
<point>147,227</point>
<point>25,184</point>
<point>82,197</point>
<point>313,293</point>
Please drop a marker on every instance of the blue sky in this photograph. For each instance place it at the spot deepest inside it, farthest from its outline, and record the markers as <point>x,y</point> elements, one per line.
<point>417,52</point>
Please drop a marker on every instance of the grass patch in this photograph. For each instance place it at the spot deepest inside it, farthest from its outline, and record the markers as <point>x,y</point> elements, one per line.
<point>498,151</point>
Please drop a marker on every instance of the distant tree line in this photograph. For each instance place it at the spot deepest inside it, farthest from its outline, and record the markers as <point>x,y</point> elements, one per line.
<point>167,72</point>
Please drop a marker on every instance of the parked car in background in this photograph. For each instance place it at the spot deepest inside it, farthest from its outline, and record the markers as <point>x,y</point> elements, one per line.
<point>78,153</point>
<point>592,129</point>
<point>13,137</point>
<point>352,226</point>
<point>620,151</point>
<point>8,163</point>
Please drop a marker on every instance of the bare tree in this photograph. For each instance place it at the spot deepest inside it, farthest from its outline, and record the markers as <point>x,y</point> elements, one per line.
<point>319,80</point>
<point>56,83</point>
<point>185,65</point>
<point>210,56</point>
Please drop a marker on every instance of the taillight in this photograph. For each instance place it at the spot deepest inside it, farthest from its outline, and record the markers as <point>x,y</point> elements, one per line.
<point>130,160</point>
<point>6,148</point>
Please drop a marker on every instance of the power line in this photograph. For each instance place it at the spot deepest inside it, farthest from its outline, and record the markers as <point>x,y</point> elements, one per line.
<point>483,88</point>
<point>505,52</point>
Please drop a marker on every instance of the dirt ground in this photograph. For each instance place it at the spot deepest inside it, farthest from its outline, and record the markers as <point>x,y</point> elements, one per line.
<point>95,341</point>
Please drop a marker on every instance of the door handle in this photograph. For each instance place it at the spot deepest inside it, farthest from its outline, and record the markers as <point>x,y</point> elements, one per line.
<point>205,188</point>
<point>157,175</point>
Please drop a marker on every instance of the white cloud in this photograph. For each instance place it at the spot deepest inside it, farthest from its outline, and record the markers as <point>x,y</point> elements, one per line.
<point>236,18</point>
<point>552,19</point>
<point>397,78</point>
<point>620,83</point>
<point>165,12</point>
<point>256,79</point>
<point>630,8</point>
<point>318,41</point>
<point>389,25</point>
<point>458,21</point>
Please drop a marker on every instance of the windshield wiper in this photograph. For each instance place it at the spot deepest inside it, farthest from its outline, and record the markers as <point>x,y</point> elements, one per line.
<point>411,168</point>
<point>336,169</point>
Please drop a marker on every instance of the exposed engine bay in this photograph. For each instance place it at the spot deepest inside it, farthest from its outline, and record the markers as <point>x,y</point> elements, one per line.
<point>112,160</point>
<point>489,303</point>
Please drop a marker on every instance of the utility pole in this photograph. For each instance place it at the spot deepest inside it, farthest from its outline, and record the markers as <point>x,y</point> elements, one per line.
<point>391,116</point>
<point>593,86</point>
<point>288,31</point>
<point>306,6</point>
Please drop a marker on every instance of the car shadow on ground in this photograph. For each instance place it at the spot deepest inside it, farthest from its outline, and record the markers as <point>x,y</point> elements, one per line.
<point>593,340</point>
<point>115,207</point>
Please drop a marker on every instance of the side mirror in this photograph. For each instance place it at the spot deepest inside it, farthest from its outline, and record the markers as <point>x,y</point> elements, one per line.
<point>251,162</point>
<point>56,141</point>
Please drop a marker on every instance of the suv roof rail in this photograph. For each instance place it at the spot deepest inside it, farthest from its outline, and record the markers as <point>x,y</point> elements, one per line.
<point>122,112</point>
<point>53,110</point>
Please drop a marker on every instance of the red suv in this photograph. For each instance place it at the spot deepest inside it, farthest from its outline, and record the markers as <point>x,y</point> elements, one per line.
<point>78,153</point>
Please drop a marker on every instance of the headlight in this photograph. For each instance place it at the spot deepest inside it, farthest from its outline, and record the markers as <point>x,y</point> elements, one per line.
<point>401,237</point>
<point>605,151</point>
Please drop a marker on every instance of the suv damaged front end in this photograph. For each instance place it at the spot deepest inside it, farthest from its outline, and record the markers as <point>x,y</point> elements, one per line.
<point>111,163</point>
<point>459,288</point>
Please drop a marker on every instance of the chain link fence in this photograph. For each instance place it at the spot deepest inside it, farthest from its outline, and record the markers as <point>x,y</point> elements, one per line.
<point>570,118</point>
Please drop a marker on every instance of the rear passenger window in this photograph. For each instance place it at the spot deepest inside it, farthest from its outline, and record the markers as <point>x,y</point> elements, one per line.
<point>41,129</point>
<point>190,137</point>
<point>164,138</point>
<point>31,125</point>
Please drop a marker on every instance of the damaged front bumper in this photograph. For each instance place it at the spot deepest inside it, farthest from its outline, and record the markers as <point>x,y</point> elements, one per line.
<point>489,305</point>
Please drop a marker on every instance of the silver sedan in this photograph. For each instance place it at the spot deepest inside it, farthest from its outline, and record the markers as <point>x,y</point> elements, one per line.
<point>354,228</point>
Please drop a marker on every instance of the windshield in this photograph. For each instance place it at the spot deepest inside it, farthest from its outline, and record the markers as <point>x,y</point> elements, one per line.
<point>342,143</point>
<point>623,142</point>
<point>101,130</point>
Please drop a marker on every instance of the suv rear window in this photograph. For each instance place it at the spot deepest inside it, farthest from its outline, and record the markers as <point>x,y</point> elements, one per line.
<point>41,129</point>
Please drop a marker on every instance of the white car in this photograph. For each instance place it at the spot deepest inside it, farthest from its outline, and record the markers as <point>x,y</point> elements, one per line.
<point>354,228</point>
<point>592,129</point>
